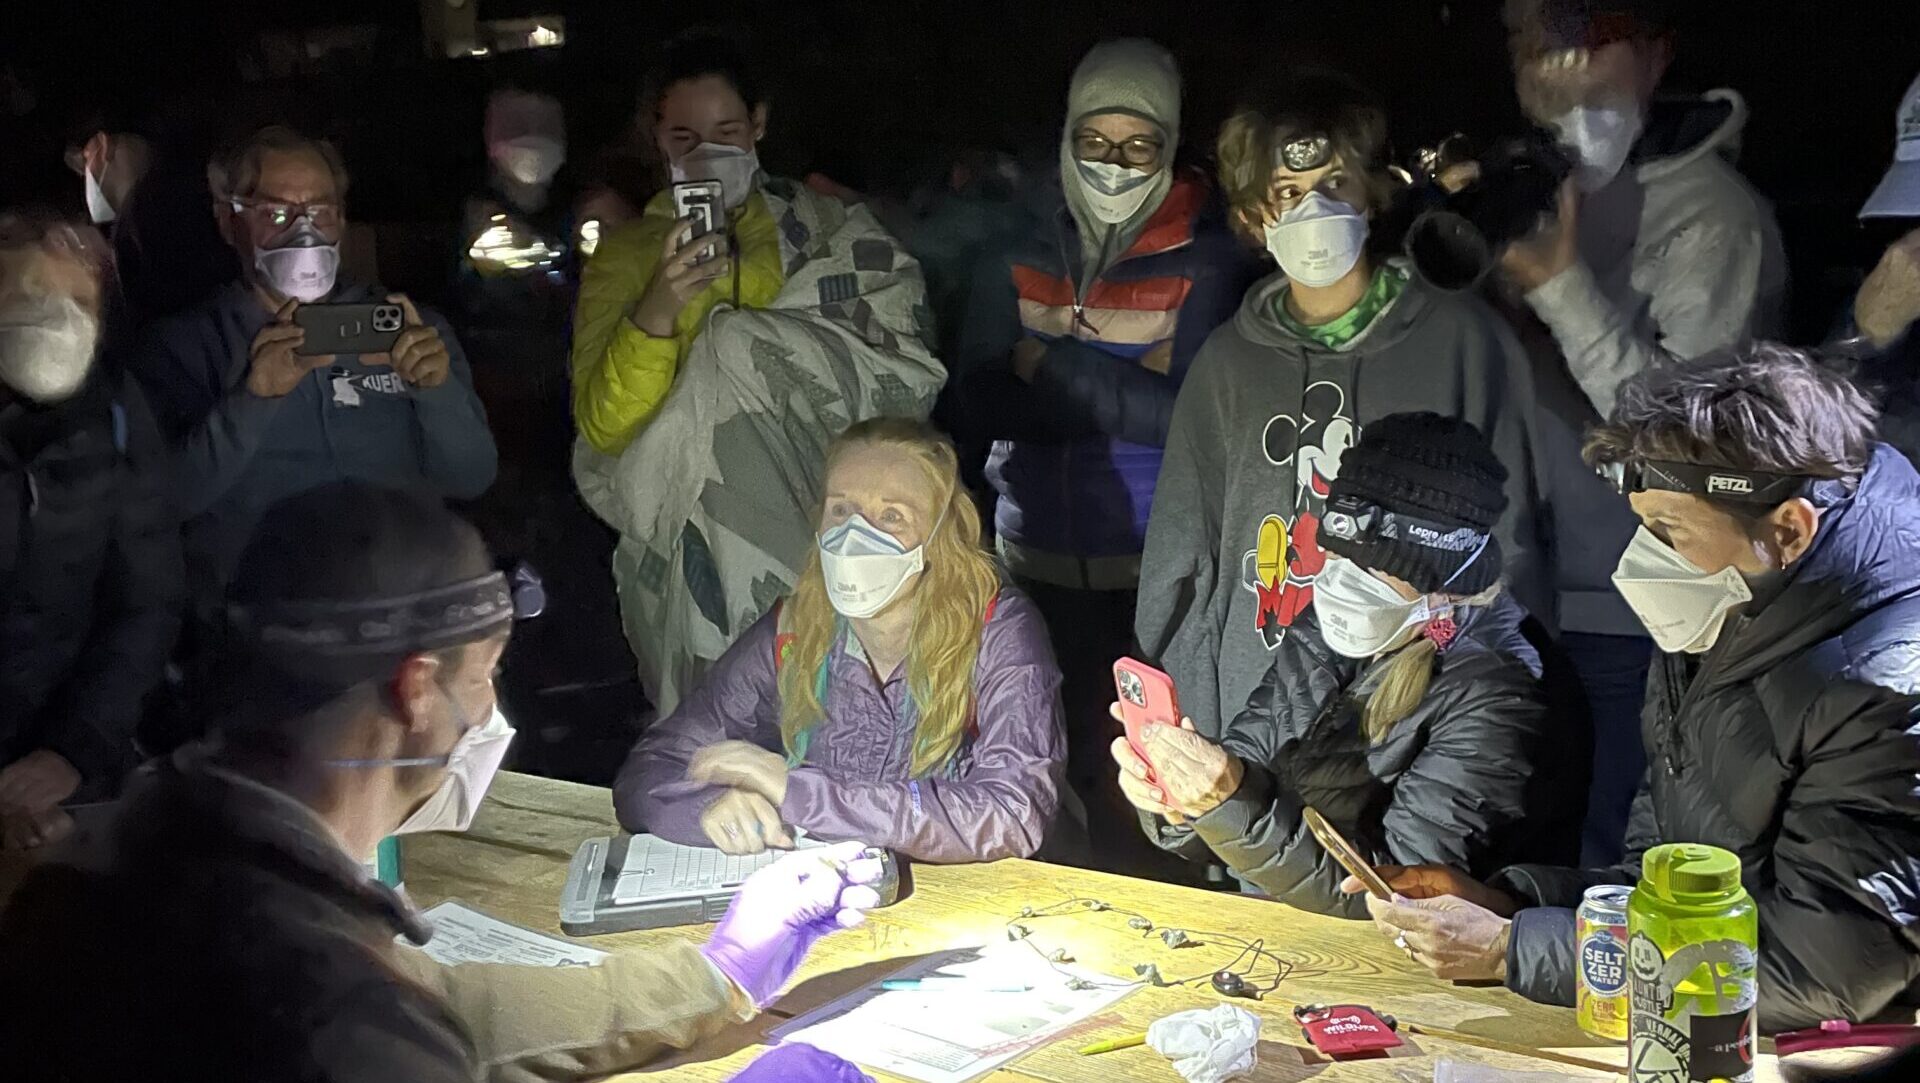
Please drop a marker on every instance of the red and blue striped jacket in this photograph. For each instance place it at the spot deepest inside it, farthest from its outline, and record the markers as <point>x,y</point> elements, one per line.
<point>1076,452</point>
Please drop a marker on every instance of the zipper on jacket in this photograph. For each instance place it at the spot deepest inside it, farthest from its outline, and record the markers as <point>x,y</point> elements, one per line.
<point>1673,740</point>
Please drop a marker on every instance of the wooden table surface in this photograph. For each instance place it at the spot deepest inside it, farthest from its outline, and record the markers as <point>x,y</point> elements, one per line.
<point>513,864</point>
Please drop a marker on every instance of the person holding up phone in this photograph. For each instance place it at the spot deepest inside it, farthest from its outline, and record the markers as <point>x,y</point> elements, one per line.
<point>645,294</point>
<point>262,400</point>
<point>1407,707</point>
<point>711,371</point>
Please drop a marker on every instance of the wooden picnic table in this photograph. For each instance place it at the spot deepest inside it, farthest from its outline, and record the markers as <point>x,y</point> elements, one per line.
<point>513,864</point>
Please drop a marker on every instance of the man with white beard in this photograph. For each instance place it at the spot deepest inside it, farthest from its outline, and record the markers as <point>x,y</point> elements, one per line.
<point>90,569</point>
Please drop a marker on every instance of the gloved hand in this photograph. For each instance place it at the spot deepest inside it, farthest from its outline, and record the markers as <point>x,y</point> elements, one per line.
<point>782,909</point>
<point>797,1062</point>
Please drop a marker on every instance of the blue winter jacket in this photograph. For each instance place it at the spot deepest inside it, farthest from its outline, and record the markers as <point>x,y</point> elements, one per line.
<point>238,454</point>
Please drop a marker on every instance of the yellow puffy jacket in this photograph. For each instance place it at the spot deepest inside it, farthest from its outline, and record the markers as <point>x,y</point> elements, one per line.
<point>621,374</point>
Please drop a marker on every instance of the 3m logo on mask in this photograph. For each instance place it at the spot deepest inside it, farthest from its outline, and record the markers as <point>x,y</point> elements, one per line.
<point>1728,483</point>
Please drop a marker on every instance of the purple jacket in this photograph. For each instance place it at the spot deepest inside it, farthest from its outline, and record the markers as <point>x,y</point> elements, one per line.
<point>854,783</point>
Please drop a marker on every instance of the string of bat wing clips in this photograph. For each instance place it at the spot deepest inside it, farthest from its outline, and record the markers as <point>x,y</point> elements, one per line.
<point>1251,982</point>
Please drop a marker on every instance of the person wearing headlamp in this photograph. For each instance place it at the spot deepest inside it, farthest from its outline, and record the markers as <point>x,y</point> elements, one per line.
<point>1778,570</point>
<point>1406,708</point>
<point>223,918</point>
<point>1339,337</point>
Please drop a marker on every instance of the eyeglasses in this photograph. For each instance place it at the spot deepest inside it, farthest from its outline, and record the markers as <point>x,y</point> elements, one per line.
<point>274,214</point>
<point>1139,152</point>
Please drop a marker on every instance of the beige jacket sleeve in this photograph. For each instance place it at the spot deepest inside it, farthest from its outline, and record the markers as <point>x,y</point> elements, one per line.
<point>541,1024</point>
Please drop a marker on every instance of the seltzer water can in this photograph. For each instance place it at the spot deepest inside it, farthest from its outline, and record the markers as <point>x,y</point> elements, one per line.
<point>1600,945</point>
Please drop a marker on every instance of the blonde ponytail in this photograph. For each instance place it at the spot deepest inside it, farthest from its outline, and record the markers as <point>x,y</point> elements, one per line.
<point>1402,686</point>
<point>1404,680</point>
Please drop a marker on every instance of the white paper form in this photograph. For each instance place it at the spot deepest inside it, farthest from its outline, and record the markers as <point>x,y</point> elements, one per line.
<point>951,1036</point>
<point>462,934</point>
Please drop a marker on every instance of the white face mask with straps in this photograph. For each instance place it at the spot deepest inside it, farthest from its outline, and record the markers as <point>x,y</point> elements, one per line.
<point>736,168</point>
<point>1361,616</point>
<point>1114,191</point>
<point>1318,241</point>
<point>866,567</point>
<point>1683,607</point>
<point>471,765</point>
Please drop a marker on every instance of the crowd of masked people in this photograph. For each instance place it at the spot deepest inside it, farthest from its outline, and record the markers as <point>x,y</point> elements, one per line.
<point>1511,582</point>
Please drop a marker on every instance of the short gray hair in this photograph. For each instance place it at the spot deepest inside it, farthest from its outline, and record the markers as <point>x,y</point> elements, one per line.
<point>236,173</point>
<point>1763,407</point>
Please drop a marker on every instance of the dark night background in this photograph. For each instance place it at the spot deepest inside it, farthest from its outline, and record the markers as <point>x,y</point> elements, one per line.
<point>879,95</point>
<point>875,93</point>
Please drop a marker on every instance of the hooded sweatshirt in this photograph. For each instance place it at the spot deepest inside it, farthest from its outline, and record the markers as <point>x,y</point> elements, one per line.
<point>1679,256</point>
<point>1076,449</point>
<point>1126,76</point>
<point>1232,549</point>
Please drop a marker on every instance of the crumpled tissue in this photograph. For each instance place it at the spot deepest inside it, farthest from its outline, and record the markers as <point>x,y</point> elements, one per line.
<point>1209,1046</point>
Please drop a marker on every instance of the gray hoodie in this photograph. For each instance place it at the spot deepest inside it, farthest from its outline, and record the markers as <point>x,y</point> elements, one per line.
<point>1232,549</point>
<point>1679,255</point>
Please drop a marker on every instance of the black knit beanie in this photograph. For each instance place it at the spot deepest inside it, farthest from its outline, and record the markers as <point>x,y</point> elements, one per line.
<point>1417,498</point>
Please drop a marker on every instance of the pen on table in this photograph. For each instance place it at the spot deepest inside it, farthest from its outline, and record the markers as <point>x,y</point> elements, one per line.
<point>944,983</point>
<point>1112,1044</point>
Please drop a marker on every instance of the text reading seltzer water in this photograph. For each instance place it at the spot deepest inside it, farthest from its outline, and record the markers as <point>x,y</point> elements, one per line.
<point>1600,943</point>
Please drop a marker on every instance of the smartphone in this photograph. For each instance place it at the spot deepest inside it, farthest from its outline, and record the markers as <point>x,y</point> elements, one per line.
<point>1343,852</point>
<point>701,201</point>
<point>1146,696</point>
<point>349,328</point>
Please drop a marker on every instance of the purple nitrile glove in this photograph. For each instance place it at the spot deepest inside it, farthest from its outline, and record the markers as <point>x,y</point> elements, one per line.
<point>782,909</point>
<point>797,1062</point>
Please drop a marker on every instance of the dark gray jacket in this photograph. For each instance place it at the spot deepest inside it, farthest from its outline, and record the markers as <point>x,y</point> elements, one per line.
<point>239,454</point>
<point>1477,775</point>
<point>1791,743</point>
<point>216,923</point>
<point>90,579</point>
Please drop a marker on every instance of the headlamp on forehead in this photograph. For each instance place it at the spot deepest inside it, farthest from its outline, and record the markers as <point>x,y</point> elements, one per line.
<point>406,624</point>
<point>1305,153</point>
<point>1756,487</point>
<point>1349,518</point>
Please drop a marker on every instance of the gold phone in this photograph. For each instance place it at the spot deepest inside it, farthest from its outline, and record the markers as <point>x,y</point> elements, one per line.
<point>1343,852</point>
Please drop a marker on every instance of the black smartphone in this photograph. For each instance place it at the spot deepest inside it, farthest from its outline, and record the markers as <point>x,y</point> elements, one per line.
<point>349,328</point>
<point>702,201</point>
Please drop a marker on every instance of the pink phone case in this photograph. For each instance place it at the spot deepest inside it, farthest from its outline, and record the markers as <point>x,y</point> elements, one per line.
<point>1145,696</point>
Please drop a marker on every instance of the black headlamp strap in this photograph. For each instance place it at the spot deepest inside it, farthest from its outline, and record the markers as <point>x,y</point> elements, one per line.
<point>428,620</point>
<point>1757,487</point>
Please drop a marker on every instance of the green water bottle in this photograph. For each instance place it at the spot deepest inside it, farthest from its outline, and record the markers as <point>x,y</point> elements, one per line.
<point>1693,942</point>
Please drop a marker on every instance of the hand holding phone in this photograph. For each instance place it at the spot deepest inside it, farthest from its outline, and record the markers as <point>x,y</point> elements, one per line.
<point>1346,854</point>
<point>1145,697</point>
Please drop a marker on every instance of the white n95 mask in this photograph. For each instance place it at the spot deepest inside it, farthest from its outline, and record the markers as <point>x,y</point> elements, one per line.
<point>1114,191</point>
<point>46,347</point>
<point>1683,607</point>
<point>303,266</point>
<point>1602,137</point>
<point>532,159</point>
<point>1359,615</point>
<point>1318,241</point>
<point>98,209</point>
<point>475,759</point>
<point>737,169</point>
<point>866,567</point>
